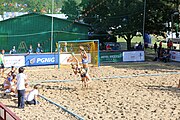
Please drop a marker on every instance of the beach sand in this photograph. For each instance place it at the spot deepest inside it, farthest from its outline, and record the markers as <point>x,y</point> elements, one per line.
<point>129,91</point>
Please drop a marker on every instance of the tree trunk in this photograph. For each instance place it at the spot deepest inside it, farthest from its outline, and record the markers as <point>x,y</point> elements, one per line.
<point>128,44</point>
<point>128,38</point>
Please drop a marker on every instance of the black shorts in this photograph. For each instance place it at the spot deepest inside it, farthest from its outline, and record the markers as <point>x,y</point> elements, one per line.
<point>2,66</point>
<point>83,75</point>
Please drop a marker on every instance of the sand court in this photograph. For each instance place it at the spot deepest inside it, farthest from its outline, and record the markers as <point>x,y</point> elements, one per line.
<point>108,98</point>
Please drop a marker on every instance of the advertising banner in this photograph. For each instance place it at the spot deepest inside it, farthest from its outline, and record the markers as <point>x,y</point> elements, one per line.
<point>133,56</point>
<point>41,59</point>
<point>16,61</point>
<point>175,55</point>
<point>110,57</point>
<point>50,59</point>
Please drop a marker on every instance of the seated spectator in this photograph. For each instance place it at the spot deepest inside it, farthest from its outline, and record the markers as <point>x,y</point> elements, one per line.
<point>166,56</point>
<point>13,71</point>
<point>139,47</point>
<point>32,96</point>
<point>10,84</point>
<point>13,83</point>
<point>135,45</point>
<point>27,90</point>
<point>6,85</point>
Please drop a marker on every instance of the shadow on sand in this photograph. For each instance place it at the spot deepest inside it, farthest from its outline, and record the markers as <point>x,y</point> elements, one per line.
<point>174,90</point>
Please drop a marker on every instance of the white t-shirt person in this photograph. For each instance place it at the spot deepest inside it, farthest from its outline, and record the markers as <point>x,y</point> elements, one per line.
<point>21,78</point>
<point>32,94</point>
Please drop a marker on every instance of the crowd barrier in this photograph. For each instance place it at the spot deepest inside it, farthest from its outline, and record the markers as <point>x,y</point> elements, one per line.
<point>18,60</point>
<point>121,56</point>
<point>6,114</point>
<point>175,55</point>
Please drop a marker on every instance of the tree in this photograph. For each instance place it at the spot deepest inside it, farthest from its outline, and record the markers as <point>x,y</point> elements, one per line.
<point>71,9</point>
<point>158,13</point>
<point>123,17</point>
<point>40,6</point>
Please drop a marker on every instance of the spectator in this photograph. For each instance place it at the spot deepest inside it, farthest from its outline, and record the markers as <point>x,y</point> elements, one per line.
<point>56,50</point>
<point>165,55</point>
<point>2,63</point>
<point>30,50</point>
<point>88,47</point>
<point>145,45</point>
<point>155,47</point>
<point>139,46</point>
<point>108,47</point>
<point>170,44</point>
<point>136,46</point>
<point>32,96</point>
<point>159,51</point>
<point>13,51</point>
<point>21,79</point>
<point>71,48</point>
<point>6,85</point>
<point>39,49</point>
<point>13,83</point>
<point>65,47</point>
<point>13,71</point>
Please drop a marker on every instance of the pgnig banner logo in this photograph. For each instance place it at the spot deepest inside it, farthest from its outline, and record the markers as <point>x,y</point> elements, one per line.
<point>42,60</point>
<point>33,60</point>
<point>45,60</point>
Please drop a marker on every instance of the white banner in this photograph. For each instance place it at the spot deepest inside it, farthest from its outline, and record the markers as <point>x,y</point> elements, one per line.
<point>133,56</point>
<point>175,55</point>
<point>16,61</point>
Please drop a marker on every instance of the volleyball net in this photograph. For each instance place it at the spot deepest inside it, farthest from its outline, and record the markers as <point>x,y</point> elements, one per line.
<point>66,48</point>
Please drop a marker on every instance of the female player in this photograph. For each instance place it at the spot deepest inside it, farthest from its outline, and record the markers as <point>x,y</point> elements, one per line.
<point>84,58</point>
<point>83,73</point>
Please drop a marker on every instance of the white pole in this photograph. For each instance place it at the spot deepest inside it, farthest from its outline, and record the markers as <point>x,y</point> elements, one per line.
<point>144,20</point>
<point>52,25</point>
<point>172,22</point>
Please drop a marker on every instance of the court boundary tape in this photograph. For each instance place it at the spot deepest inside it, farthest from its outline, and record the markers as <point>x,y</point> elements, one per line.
<point>63,108</point>
<point>104,78</point>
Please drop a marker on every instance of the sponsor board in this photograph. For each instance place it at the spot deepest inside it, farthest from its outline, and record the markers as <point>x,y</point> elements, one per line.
<point>41,59</point>
<point>133,56</point>
<point>175,55</point>
<point>110,57</point>
<point>16,61</point>
<point>50,59</point>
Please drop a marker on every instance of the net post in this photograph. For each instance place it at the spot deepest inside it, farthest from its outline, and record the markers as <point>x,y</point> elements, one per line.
<point>98,55</point>
<point>59,46</point>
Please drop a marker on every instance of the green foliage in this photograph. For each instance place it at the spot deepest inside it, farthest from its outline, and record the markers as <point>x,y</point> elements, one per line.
<point>122,17</point>
<point>42,6</point>
<point>125,17</point>
<point>70,8</point>
<point>158,12</point>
